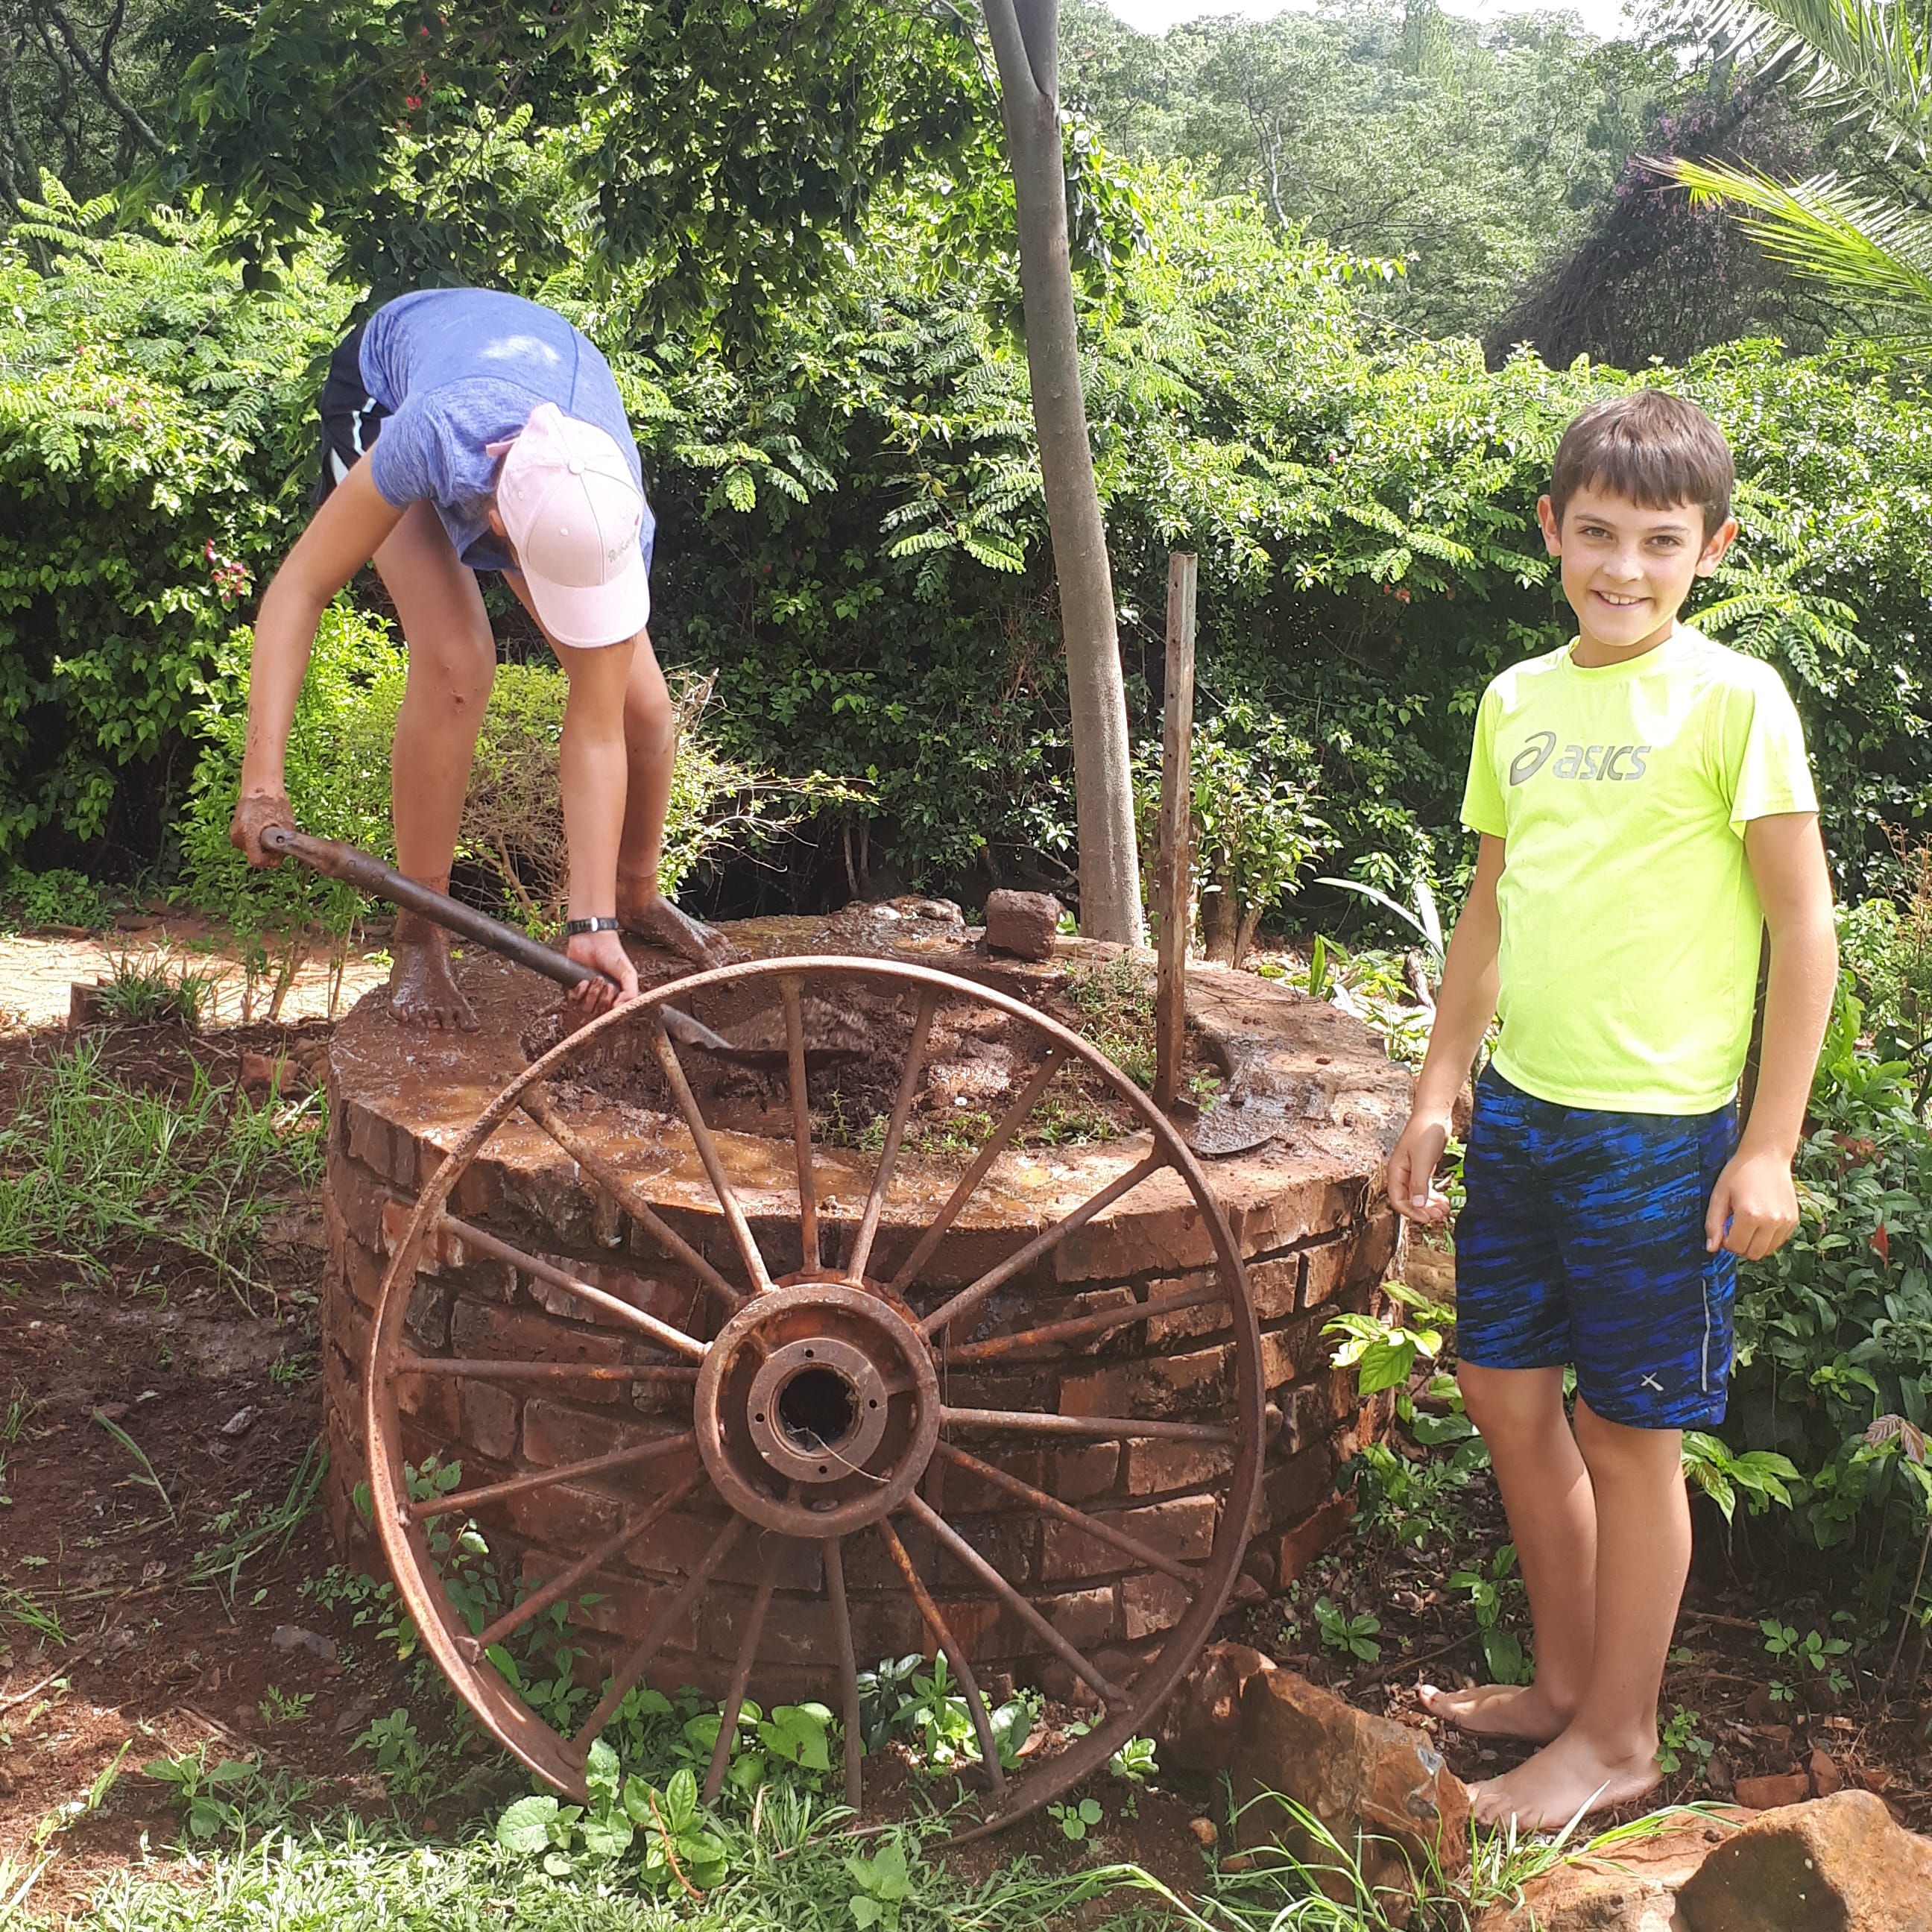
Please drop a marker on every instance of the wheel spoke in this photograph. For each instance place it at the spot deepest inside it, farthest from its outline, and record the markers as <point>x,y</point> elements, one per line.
<point>541,1479</point>
<point>1101,1428</point>
<point>889,1153</point>
<point>626,1193</point>
<point>970,1297</point>
<point>997,1348</point>
<point>707,1152</point>
<point>741,1675</point>
<point>949,1645</point>
<point>614,1306</point>
<point>989,1574</point>
<point>560,1585</point>
<point>544,1372</point>
<point>801,1125</point>
<point>1014,1118</point>
<point>834,1555</point>
<point>662,1622</point>
<point>1076,1519</point>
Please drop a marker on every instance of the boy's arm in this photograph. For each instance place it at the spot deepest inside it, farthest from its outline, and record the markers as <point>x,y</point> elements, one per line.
<point>342,535</point>
<point>1753,1207</point>
<point>1465,1005</point>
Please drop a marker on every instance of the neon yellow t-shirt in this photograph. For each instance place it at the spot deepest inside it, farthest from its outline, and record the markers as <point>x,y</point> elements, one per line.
<point>1630,926</point>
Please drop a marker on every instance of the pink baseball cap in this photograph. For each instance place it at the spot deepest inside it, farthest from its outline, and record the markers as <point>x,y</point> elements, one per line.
<point>571,508</point>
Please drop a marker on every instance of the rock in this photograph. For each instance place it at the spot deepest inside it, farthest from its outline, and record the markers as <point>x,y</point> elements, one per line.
<point>242,1421</point>
<point>1023,924</point>
<point>1772,1794</point>
<point>292,1637</point>
<point>1632,1889</point>
<point>261,1075</point>
<point>1838,1865</point>
<point>1826,1778</point>
<point>1205,1829</point>
<point>1381,1789</point>
<point>1199,1723</point>
<point>83,1005</point>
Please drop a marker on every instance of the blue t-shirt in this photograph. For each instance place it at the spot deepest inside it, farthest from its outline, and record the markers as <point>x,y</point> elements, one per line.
<point>459,369</point>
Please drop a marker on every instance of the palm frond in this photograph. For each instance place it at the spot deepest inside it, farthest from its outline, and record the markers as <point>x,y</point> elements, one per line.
<point>1869,58</point>
<point>1869,247</point>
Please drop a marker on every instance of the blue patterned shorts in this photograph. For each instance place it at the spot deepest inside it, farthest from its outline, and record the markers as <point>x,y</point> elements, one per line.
<point>1582,1241</point>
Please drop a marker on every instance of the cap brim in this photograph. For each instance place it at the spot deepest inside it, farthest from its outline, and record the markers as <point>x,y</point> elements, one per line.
<point>590,616</point>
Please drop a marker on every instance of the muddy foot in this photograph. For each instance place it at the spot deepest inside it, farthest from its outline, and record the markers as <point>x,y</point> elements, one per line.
<point>423,992</point>
<point>1571,1776</point>
<point>1496,1710</point>
<point>655,919</point>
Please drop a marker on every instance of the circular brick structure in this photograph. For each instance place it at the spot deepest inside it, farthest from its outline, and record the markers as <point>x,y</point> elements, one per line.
<point>1308,1107</point>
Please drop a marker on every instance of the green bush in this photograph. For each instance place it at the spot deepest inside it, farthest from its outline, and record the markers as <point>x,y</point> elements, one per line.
<point>153,453</point>
<point>1834,1330</point>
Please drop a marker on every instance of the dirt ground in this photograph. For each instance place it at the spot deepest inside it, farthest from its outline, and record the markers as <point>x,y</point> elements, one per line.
<point>125,1621</point>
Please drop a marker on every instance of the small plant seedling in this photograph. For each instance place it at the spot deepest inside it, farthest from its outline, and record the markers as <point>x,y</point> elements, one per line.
<point>206,1792</point>
<point>1813,1647</point>
<point>1076,1821</point>
<point>282,1707</point>
<point>1680,1740</point>
<point>1354,1636</point>
<point>1134,1761</point>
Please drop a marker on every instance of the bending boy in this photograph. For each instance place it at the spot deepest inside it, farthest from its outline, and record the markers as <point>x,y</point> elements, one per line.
<point>463,430</point>
<point>1645,812</point>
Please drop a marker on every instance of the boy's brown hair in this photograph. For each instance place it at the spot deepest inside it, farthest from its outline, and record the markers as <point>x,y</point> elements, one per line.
<point>1649,448</point>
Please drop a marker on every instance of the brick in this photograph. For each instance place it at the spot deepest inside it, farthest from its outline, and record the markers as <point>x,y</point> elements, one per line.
<point>1085,1617</point>
<point>1156,1229</point>
<point>556,1431</point>
<point>1082,1474</point>
<point>1010,1543</point>
<point>1277,1560</point>
<point>1168,1385</point>
<point>489,1419</point>
<point>955,1491</point>
<point>1276,1285</point>
<point>1294,1487</point>
<point>361,1197</point>
<point>1293,1350</point>
<point>1152,1604</point>
<point>390,1151</point>
<point>571,1514</point>
<point>427,1319</point>
<point>440,1248</point>
<point>1359,1258</point>
<point>1163,1331</point>
<point>1304,1416</point>
<point>1183,1528</point>
<point>1310,1206</point>
<point>1154,1468</point>
<point>362,1273</point>
<point>483,1332</point>
<point>1029,1391</point>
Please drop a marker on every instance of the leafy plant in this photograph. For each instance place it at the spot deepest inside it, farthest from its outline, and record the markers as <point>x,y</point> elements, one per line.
<point>883,1883</point>
<point>1353,1636</point>
<point>1383,1354</point>
<point>1762,1476</point>
<point>1503,1655</point>
<point>1076,1819</point>
<point>1679,1739</point>
<point>144,993</point>
<point>58,897</point>
<point>206,1792</point>
<point>1813,1648</point>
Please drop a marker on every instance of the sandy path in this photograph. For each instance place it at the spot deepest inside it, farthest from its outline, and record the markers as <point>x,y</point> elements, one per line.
<point>38,970</point>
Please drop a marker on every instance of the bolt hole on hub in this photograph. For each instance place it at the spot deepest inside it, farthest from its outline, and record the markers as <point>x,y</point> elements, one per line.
<point>834,1358</point>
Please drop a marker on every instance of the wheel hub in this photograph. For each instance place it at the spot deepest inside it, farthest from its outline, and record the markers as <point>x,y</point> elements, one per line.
<point>817,1409</point>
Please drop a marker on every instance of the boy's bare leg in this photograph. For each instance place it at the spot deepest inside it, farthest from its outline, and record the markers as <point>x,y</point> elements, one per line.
<point>1608,1755</point>
<point>452,660</point>
<point>1545,1489</point>
<point>650,743</point>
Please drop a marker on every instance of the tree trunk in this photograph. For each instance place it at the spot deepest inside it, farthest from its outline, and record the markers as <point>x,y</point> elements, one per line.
<point>1026,45</point>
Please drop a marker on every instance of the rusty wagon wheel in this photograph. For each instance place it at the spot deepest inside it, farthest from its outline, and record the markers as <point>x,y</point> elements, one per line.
<point>804,1419</point>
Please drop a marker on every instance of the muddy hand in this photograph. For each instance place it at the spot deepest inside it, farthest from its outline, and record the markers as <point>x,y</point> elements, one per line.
<point>256,812</point>
<point>605,952</point>
<point>655,919</point>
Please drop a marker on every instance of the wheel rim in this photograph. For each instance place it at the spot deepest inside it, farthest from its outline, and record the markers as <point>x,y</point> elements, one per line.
<point>812,1416</point>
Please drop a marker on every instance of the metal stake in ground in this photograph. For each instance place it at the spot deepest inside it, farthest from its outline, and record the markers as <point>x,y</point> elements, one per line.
<point>1171,895</point>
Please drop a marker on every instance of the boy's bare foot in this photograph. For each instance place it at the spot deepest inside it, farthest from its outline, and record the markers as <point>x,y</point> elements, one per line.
<point>422,989</point>
<point>650,916</point>
<point>1571,1775</point>
<point>1497,1711</point>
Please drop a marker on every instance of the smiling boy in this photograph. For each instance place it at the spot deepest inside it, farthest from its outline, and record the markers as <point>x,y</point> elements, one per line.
<point>1646,814</point>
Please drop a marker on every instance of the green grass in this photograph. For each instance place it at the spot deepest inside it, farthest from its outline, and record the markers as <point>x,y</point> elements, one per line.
<point>92,1165</point>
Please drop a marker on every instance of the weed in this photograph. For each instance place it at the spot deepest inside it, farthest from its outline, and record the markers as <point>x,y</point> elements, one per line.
<point>1353,1636</point>
<point>1075,1820</point>
<point>883,1883</point>
<point>140,993</point>
<point>1813,1647</point>
<point>1680,1739</point>
<point>58,897</point>
<point>1502,1650</point>
<point>1134,1761</point>
<point>404,1763</point>
<point>229,1796</point>
<point>282,1707</point>
<point>19,1607</point>
<point>1115,1002</point>
<point>270,1529</point>
<point>144,1470</point>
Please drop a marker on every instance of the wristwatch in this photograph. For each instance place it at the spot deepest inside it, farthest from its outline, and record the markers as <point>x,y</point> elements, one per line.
<point>572,927</point>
